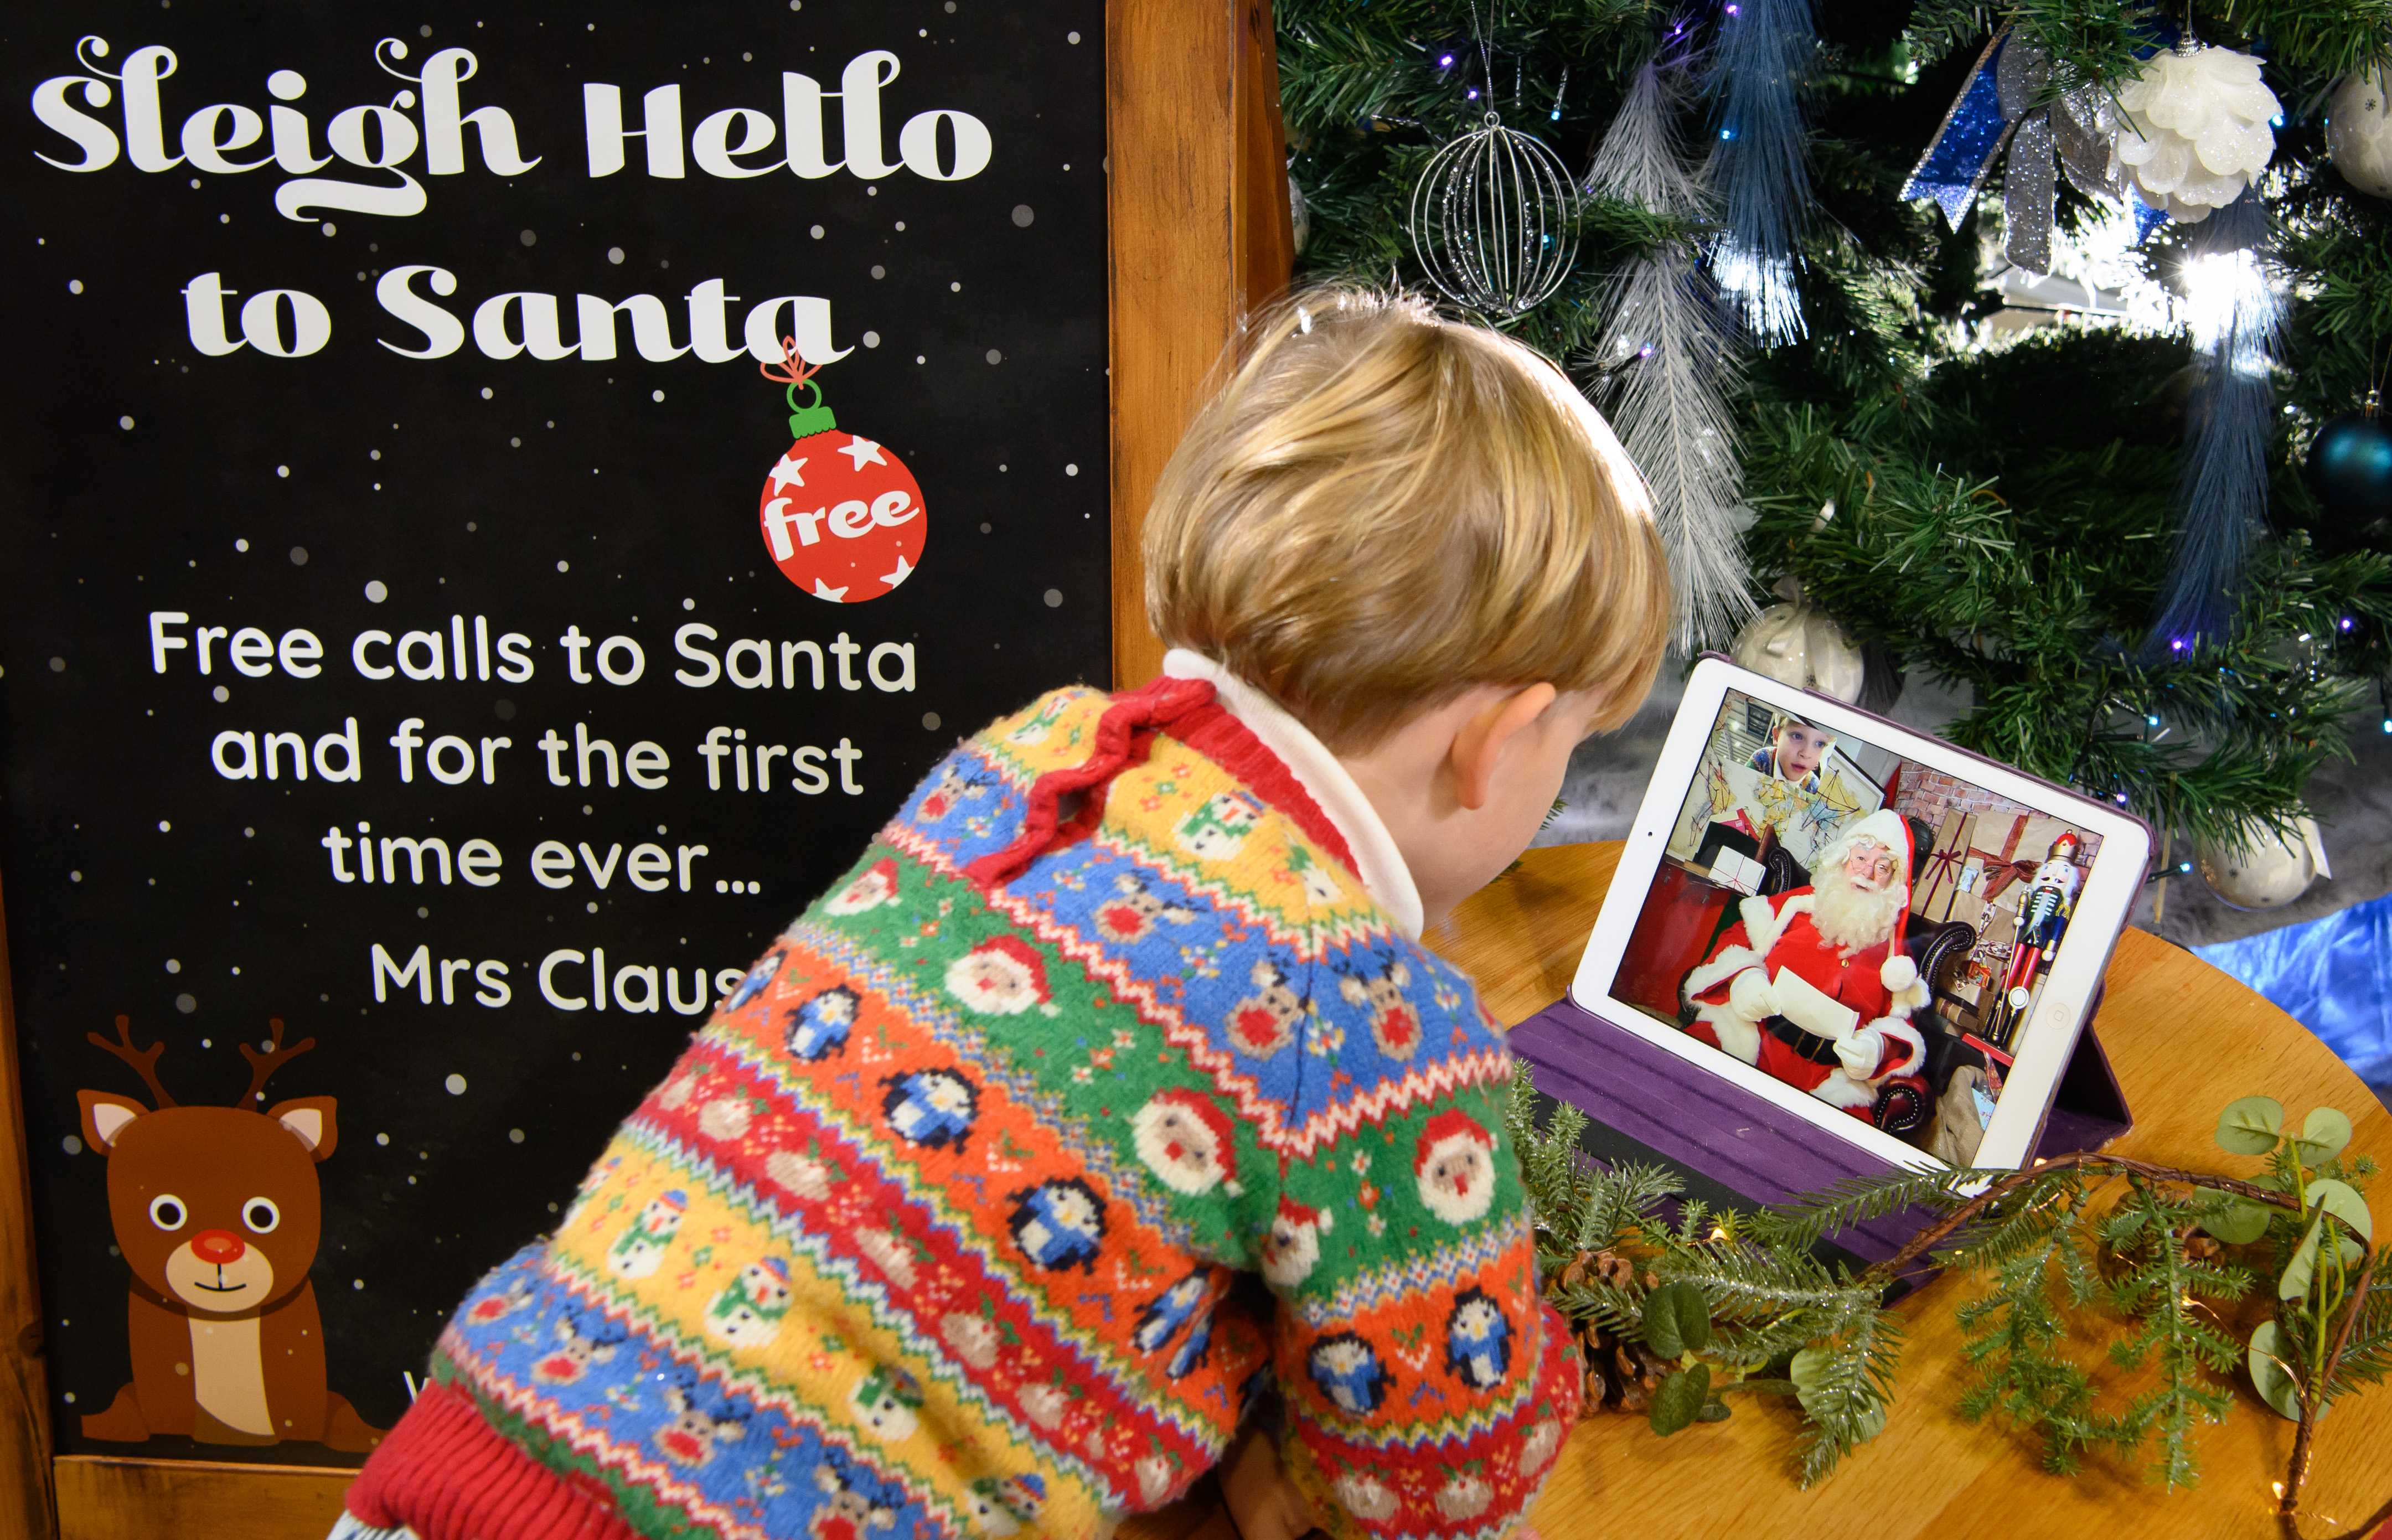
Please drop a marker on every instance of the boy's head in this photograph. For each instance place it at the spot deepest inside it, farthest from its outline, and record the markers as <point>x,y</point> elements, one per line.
<point>1383,509</point>
<point>1800,747</point>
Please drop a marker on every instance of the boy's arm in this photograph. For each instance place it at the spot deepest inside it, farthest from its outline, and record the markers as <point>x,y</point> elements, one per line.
<point>1427,1385</point>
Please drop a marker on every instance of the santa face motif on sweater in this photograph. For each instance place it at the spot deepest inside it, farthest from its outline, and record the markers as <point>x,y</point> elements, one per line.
<point>1347,1370</point>
<point>1059,1224</point>
<point>1293,1247</point>
<point>819,1028</point>
<point>933,1108</point>
<point>640,1249</point>
<point>1001,978</point>
<point>1184,1139</point>
<point>1477,1340</point>
<point>877,886</point>
<point>1265,1022</point>
<point>747,1311</point>
<point>1455,1167</point>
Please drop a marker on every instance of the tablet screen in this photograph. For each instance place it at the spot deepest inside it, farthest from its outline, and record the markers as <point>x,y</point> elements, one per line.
<point>1862,926</point>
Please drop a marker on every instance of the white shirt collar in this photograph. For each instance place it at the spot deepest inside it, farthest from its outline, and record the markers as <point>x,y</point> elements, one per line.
<point>1381,865</point>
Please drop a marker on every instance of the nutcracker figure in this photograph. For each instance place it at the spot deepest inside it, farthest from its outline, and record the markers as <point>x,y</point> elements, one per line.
<point>2051,900</point>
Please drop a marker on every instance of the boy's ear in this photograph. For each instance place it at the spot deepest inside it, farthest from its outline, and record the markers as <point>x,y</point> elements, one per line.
<point>1478,748</point>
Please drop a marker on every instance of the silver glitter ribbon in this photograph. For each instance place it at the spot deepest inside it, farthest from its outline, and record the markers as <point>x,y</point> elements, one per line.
<point>2028,182</point>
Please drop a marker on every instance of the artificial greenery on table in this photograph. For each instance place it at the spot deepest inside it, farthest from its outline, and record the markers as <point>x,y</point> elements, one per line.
<point>1676,1313</point>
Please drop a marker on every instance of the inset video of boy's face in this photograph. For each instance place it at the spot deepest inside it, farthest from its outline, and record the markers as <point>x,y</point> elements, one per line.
<point>1800,748</point>
<point>1861,926</point>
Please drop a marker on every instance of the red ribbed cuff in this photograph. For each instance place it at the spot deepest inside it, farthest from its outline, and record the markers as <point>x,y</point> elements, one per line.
<point>447,1474</point>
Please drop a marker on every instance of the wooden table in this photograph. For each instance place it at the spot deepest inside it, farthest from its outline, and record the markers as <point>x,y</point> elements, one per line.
<point>2185,1040</point>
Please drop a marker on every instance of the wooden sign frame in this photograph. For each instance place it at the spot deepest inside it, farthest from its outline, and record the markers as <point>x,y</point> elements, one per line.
<point>1199,236</point>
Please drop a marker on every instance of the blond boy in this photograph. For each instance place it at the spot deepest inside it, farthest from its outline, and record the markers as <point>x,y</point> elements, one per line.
<point>1111,1092</point>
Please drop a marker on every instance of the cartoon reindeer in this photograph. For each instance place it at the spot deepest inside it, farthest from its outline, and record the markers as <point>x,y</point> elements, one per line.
<point>217,1213</point>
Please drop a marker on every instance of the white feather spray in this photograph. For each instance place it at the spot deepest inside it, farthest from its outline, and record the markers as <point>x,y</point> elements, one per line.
<point>1666,360</point>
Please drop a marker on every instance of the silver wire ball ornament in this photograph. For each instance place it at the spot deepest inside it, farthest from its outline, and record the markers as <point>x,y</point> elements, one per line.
<point>1493,220</point>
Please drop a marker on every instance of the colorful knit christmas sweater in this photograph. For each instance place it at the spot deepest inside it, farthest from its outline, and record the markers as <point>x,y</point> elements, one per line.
<point>1098,1096</point>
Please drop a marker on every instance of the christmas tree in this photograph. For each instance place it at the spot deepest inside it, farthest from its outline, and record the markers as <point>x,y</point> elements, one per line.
<point>2108,529</point>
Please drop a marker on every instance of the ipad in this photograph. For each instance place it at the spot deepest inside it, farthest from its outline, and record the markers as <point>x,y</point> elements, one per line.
<point>1890,936</point>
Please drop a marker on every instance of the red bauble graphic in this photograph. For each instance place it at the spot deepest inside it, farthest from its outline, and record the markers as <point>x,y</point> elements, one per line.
<point>841,516</point>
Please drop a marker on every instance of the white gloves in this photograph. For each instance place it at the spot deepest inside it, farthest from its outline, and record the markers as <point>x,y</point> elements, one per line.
<point>1750,996</point>
<point>1861,1051</point>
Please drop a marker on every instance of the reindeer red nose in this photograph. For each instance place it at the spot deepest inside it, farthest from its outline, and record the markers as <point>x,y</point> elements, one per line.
<point>217,1247</point>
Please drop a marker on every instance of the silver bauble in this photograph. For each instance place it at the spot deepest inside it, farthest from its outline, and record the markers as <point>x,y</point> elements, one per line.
<point>2359,131</point>
<point>1801,644</point>
<point>1494,220</point>
<point>2259,871</point>
<point>1299,216</point>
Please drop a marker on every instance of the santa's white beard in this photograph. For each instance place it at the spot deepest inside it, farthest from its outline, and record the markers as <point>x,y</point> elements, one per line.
<point>1849,917</point>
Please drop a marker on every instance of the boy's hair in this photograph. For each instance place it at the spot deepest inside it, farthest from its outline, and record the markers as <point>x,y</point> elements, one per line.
<point>1383,508</point>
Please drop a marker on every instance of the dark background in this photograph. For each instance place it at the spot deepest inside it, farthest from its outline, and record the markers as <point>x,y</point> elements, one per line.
<point>123,848</point>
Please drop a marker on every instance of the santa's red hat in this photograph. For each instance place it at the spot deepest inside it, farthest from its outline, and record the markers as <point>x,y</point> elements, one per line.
<point>1200,1107</point>
<point>1019,951</point>
<point>1296,1213</point>
<point>1442,1129</point>
<point>886,870</point>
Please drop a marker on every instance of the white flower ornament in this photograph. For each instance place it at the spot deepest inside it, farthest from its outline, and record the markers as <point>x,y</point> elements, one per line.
<point>2196,130</point>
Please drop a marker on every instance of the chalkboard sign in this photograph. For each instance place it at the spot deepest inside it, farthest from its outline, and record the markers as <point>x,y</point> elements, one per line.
<point>496,506</point>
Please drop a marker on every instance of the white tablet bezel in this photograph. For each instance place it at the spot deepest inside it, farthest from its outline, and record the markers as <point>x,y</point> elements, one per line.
<point>2100,911</point>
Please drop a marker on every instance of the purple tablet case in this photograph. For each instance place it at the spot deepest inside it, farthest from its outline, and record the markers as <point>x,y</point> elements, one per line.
<point>1735,1148</point>
<point>1645,1103</point>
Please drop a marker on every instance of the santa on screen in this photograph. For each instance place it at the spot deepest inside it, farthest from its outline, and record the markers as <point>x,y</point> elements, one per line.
<point>1813,985</point>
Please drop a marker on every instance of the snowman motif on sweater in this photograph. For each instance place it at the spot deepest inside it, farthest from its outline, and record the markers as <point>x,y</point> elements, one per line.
<point>1001,1507</point>
<point>1217,830</point>
<point>819,1026</point>
<point>889,1400</point>
<point>640,1249</point>
<point>747,1311</point>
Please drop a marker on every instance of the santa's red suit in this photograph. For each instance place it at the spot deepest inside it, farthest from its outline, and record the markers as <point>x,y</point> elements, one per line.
<point>1742,995</point>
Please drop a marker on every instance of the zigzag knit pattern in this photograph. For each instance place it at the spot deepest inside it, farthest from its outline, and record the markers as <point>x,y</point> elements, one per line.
<point>985,1207</point>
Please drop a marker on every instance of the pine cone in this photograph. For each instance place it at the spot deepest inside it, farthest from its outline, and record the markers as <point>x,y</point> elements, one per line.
<point>1620,1375</point>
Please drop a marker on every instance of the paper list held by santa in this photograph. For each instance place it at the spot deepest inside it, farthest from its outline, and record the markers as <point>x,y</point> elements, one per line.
<point>1813,985</point>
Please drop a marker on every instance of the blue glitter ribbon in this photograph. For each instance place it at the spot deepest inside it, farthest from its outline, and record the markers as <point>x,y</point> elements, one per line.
<point>1956,160</point>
